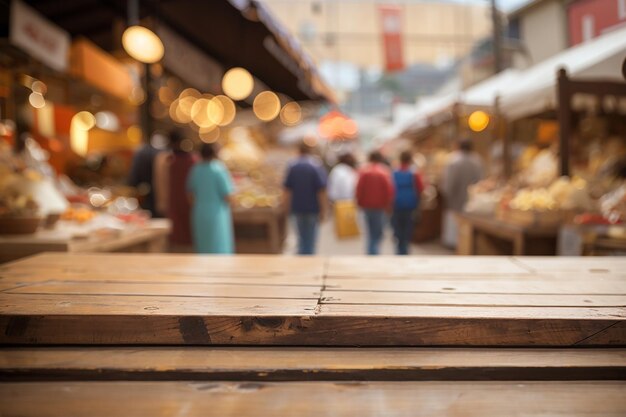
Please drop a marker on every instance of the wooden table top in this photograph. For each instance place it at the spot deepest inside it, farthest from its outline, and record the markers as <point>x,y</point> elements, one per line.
<point>343,301</point>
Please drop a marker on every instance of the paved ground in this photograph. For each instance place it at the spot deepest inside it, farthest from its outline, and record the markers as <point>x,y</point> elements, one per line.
<point>328,244</point>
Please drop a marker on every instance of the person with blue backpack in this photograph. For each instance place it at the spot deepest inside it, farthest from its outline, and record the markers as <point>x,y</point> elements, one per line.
<point>408,185</point>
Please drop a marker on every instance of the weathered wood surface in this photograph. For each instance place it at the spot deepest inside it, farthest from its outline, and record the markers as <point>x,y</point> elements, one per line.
<point>348,301</point>
<point>241,399</point>
<point>151,238</point>
<point>309,364</point>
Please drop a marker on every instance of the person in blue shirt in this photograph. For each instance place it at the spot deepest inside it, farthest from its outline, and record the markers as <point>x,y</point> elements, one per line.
<point>409,186</point>
<point>305,193</point>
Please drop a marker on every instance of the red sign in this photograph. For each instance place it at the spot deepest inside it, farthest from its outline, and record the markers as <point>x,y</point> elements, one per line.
<point>391,21</point>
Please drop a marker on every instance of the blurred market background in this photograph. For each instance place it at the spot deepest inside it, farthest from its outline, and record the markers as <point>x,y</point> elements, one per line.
<point>86,93</point>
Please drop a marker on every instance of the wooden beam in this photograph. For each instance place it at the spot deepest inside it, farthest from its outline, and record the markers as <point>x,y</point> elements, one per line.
<point>310,364</point>
<point>308,399</point>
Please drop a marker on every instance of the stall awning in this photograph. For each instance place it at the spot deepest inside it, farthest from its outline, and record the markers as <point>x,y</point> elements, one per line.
<point>484,93</point>
<point>534,90</point>
<point>232,32</point>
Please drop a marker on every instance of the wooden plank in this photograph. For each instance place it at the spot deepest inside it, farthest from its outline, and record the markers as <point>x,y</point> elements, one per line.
<point>598,266</point>
<point>443,299</point>
<point>144,320</point>
<point>241,265</point>
<point>169,289</point>
<point>241,399</point>
<point>293,364</point>
<point>135,305</point>
<point>415,266</point>
<point>34,275</point>
<point>586,284</point>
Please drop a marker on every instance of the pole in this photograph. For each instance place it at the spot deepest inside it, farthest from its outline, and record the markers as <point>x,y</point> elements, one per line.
<point>565,121</point>
<point>497,38</point>
<point>145,117</point>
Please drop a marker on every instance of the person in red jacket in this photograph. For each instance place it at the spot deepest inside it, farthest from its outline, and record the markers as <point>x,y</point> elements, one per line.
<point>374,195</point>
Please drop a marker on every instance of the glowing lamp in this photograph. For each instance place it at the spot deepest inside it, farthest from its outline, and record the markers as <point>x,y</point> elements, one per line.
<point>143,44</point>
<point>478,121</point>
<point>237,83</point>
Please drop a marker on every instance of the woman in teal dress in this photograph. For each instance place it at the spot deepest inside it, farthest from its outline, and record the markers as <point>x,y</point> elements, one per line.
<point>209,186</point>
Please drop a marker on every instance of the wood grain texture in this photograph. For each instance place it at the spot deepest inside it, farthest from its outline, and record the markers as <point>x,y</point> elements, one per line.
<point>309,364</point>
<point>241,399</point>
<point>274,300</point>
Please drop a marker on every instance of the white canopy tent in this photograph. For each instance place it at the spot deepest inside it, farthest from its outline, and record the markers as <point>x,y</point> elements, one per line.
<point>534,90</point>
<point>484,93</point>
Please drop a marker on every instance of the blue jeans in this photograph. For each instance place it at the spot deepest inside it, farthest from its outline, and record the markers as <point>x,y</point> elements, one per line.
<point>402,223</point>
<point>375,221</point>
<point>306,225</point>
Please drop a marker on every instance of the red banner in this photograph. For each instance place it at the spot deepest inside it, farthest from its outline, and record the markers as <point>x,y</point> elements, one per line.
<point>391,22</point>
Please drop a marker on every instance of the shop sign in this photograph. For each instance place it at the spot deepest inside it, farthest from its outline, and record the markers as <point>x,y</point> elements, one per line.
<point>37,36</point>
<point>101,69</point>
<point>188,62</point>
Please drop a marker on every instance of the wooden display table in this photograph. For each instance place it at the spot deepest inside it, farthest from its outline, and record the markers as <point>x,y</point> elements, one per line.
<point>481,235</point>
<point>86,335</point>
<point>151,238</point>
<point>260,230</point>
<point>279,300</point>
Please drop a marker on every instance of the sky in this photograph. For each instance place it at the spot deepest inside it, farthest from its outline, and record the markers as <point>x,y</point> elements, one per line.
<point>505,5</point>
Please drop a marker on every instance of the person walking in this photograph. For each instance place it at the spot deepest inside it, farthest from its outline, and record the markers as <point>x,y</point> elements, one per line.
<point>341,188</point>
<point>305,194</point>
<point>342,179</point>
<point>463,169</point>
<point>141,176</point>
<point>171,170</point>
<point>210,188</point>
<point>409,186</point>
<point>375,195</point>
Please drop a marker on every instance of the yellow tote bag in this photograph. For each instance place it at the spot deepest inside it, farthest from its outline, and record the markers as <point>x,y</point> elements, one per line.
<point>346,224</point>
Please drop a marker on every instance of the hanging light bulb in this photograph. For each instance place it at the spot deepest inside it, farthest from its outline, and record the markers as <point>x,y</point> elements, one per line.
<point>143,44</point>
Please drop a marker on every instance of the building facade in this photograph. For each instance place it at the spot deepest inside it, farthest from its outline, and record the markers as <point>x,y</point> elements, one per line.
<point>351,30</point>
<point>588,19</point>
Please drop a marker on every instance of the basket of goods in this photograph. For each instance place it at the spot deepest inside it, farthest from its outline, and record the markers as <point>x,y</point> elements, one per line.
<point>18,214</point>
<point>548,206</point>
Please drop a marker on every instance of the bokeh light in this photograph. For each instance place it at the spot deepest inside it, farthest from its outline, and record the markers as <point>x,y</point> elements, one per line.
<point>186,145</point>
<point>166,95</point>
<point>478,121</point>
<point>143,44</point>
<point>39,87</point>
<point>134,134</point>
<point>291,114</point>
<point>84,120</point>
<point>36,100</point>
<point>237,83</point>
<point>266,106</point>
<point>229,111</point>
<point>190,92</point>
<point>200,112</point>
<point>210,135</point>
